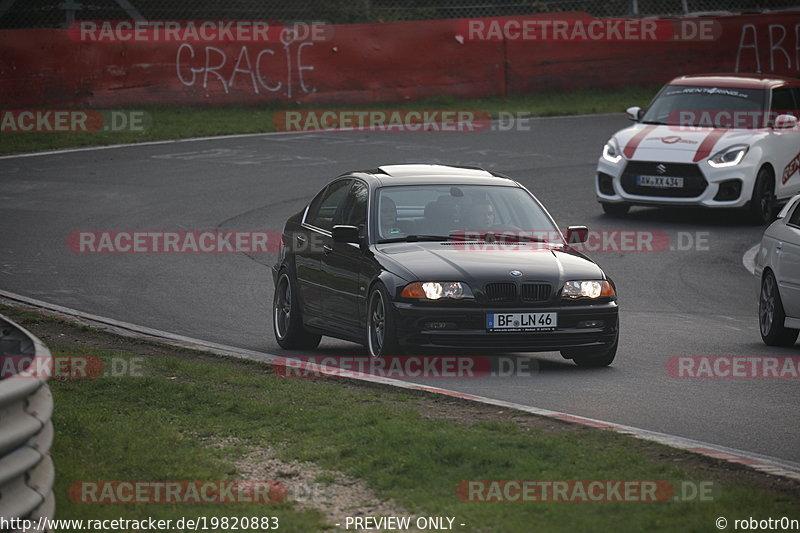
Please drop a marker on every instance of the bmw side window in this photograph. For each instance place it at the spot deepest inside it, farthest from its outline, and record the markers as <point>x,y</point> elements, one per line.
<point>355,209</point>
<point>313,207</point>
<point>323,209</point>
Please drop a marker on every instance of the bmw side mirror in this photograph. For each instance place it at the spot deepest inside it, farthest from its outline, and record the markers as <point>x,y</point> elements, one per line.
<point>785,122</point>
<point>343,233</point>
<point>634,113</point>
<point>577,234</point>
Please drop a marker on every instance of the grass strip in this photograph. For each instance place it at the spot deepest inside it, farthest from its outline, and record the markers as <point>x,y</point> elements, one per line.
<point>165,122</point>
<point>192,415</point>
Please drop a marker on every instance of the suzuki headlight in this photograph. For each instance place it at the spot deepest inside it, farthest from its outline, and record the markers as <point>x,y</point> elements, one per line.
<point>587,289</point>
<point>436,290</point>
<point>729,157</point>
<point>611,152</point>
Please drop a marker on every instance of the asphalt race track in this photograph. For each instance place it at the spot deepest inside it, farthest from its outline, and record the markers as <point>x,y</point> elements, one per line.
<point>692,302</point>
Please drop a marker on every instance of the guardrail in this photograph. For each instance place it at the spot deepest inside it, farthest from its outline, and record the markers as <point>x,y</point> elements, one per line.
<point>26,429</point>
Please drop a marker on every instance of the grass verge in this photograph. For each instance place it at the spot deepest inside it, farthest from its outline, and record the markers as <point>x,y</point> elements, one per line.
<point>194,416</point>
<point>165,122</point>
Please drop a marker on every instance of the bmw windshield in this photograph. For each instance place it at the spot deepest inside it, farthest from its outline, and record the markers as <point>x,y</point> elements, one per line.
<point>442,212</point>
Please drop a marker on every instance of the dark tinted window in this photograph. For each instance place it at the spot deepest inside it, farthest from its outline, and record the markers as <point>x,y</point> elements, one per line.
<point>324,207</point>
<point>313,207</point>
<point>355,209</point>
<point>782,101</point>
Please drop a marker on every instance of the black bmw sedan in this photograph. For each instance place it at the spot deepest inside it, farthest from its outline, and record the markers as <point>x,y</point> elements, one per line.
<point>430,256</point>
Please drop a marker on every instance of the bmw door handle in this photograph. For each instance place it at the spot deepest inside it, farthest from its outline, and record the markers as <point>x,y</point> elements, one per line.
<point>327,249</point>
<point>300,240</point>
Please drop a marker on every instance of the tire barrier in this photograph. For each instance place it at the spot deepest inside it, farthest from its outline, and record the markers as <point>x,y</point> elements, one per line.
<point>26,429</point>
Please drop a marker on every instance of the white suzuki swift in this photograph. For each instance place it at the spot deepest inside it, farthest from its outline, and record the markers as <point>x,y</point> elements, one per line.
<point>709,141</point>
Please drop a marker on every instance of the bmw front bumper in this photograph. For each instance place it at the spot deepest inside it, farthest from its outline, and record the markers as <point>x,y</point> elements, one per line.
<point>429,326</point>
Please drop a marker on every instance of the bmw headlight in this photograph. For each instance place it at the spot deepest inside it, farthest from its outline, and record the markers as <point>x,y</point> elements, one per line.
<point>611,152</point>
<point>436,290</point>
<point>587,289</point>
<point>729,157</point>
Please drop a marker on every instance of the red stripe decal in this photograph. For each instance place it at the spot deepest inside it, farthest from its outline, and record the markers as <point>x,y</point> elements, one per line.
<point>630,148</point>
<point>708,143</point>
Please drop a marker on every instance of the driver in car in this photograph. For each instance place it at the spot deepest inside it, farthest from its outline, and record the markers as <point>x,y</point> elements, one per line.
<point>388,219</point>
<point>481,216</point>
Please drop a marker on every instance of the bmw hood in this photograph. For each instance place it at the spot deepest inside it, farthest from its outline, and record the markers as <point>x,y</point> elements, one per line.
<point>478,264</point>
<point>680,144</point>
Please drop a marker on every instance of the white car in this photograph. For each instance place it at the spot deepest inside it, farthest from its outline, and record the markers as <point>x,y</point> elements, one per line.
<point>777,265</point>
<point>709,141</point>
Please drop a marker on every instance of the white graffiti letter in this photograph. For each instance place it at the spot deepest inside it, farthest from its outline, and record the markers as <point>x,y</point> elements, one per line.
<point>301,68</point>
<point>753,46</point>
<point>777,46</point>
<point>275,87</point>
<point>178,65</point>
<point>215,68</point>
<point>249,70</point>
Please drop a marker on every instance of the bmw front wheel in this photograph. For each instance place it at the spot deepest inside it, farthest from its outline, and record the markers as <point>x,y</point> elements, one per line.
<point>593,358</point>
<point>381,336</point>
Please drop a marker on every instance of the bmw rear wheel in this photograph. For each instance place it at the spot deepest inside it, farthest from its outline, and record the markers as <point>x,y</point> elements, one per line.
<point>287,321</point>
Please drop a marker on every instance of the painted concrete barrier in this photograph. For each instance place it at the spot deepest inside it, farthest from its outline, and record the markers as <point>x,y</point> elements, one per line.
<point>374,62</point>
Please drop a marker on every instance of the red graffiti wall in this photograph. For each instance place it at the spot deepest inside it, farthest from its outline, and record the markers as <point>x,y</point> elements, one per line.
<point>372,62</point>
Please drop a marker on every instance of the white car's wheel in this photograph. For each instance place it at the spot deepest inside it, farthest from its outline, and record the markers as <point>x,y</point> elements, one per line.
<point>763,204</point>
<point>616,210</point>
